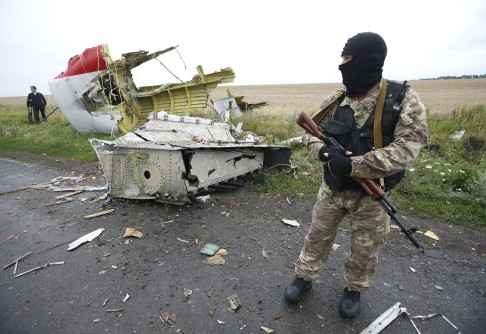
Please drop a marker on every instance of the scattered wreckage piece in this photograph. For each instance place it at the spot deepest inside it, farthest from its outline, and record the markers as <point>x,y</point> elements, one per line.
<point>61,201</point>
<point>98,214</point>
<point>226,108</point>
<point>78,188</point>
<point>392,313</point>
<point>233,106</point>
<point>131,232</point>
<point>16,262</point>
<point>85,238</point>
<point>243,105</point>
<point>384,319</point>
<point>430,316</point>
<point>173,157</point>
<point>98,94</point>
<point>38,268</point>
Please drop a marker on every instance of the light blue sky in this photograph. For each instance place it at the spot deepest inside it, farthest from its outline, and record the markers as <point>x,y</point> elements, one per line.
<point>265,42</point>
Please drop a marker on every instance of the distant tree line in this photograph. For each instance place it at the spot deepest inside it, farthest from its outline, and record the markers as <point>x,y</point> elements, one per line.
<point>466,76</point>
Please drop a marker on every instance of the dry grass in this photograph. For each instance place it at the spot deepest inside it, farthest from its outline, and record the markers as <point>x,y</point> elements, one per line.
<point>439,96</point>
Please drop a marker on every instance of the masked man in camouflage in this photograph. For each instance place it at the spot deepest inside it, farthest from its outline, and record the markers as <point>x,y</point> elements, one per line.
<point>348,116</point>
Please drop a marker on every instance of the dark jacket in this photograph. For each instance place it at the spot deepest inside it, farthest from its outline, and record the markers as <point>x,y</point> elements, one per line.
<point>36,100</point>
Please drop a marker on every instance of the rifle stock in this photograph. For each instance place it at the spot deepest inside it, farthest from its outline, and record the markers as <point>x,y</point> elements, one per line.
<point>369,186</point>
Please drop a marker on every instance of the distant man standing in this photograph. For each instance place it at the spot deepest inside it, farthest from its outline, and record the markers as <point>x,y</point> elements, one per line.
<point>382,126</point>
<point>37,102</point>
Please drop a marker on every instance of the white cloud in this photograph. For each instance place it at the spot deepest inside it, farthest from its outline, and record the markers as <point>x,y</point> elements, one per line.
<point>265,42</point>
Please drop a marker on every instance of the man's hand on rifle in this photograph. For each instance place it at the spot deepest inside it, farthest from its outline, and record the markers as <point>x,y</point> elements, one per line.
<point>325,151</point>
<point>339,165</point>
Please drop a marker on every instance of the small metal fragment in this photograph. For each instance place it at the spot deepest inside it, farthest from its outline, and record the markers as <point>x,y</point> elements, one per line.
<point>38,268</point>
<point>17,260</point>
<point>234,301</point>
<point>384,319</point>
<point>265,253</point>
<point>291,222</point>
<point>85,238</point>
<point>422,317</point>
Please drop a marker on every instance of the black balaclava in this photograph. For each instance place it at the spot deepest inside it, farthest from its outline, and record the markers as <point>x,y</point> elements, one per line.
<point>365,69</point>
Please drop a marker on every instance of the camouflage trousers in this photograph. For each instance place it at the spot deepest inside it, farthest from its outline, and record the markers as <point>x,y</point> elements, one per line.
<point>370,226</point>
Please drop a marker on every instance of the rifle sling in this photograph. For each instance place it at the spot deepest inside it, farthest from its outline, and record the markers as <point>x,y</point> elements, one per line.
<point>317,117</point>
<point>377,131</point>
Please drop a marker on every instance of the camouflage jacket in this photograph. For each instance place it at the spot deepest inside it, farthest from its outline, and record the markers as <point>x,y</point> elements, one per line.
<point>411,133</point>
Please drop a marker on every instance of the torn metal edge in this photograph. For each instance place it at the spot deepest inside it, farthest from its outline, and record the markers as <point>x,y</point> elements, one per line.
<point>385,319</point>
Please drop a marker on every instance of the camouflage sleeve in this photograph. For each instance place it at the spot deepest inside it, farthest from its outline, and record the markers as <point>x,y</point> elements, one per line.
<point>411,133</point>
<point>312,143</point>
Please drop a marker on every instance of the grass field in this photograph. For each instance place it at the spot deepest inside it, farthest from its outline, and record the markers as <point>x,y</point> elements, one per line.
<point>439,96</point>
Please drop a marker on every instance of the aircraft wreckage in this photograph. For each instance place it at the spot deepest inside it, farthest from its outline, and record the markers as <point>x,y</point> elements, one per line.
<point>164,154</point>
<point>98,95</point>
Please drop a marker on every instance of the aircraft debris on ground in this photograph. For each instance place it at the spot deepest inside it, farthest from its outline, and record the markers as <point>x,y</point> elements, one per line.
<point>164,154</point>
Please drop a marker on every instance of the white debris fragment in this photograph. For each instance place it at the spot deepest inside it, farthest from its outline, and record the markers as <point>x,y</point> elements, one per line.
<point>85,238</point>
<point>203,198</point>
<point>220,322</point>
<point>385,319</point>
<point>60,178</point>
<point>421,317</point>
<point>291,222</point>
<point>234,301</point>
<point>187,292</point>
<point>126,297</point>
<point>335,247</point>
<point>413,270</point>
<point>431,235</point>
<point>266,329</point>
<point>78,188</point>
<point>438,287</point>
<point>38,268</point>
<point>292,140</point>
<point>16,262</point>
<point>457,135</point>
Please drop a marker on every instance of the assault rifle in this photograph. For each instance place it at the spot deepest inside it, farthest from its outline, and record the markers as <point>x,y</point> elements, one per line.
<point>369,186</point>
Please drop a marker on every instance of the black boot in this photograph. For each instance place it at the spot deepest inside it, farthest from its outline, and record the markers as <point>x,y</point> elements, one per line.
<point>350,303</point>
<point>295,290</point>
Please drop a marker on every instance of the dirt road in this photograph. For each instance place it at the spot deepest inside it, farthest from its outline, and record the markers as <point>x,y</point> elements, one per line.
<point>129,285</point>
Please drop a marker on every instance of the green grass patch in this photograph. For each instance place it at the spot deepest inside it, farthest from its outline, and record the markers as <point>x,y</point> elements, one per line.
<point>56,137</point>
